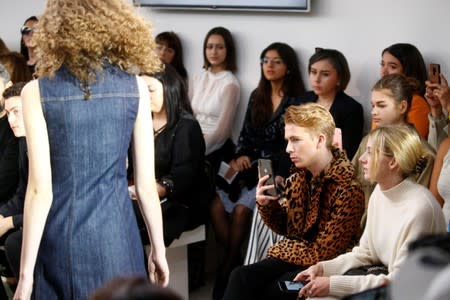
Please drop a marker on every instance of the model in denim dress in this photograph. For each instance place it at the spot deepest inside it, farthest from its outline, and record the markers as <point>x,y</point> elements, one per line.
<point>80,116</point>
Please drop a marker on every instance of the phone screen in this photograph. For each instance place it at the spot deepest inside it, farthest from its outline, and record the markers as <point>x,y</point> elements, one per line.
<point>290,286</point>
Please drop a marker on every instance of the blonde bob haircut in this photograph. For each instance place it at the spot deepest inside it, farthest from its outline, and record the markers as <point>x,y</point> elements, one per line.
<point>314,117</point>
<point>84,34</point>
<point>403,143</point>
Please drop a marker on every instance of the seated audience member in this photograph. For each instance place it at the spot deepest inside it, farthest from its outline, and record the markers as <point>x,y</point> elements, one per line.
<point>329,75</point>
<point>9,167</point>
<point>215,93</point>
<point>11,212</point>
<point>133,288</point>
<point>179,159</point>
<point>400,211</point>
<point>26,48</point>
<point>406,59</point>
<point>170,51</point>
<point>440,178</point>
<point>391,99</point>
<point>319,215</point>
<point>262,136</point>
<point>16,65</point>
<point>438,97</point>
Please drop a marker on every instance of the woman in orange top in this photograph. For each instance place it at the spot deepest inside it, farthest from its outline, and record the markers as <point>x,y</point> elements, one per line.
<point>406,59</point>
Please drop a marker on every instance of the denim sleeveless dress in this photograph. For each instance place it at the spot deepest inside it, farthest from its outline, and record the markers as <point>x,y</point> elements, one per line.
<point>91,235</point>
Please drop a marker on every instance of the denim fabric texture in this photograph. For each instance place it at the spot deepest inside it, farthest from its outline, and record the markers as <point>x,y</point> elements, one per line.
<point>91,235</point>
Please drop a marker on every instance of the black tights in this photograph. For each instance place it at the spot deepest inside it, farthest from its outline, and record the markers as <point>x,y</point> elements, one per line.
<point>230,230</point>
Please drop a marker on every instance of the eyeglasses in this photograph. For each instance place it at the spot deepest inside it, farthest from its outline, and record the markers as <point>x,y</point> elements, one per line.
<point>26,30</point>
<point>267,60</point>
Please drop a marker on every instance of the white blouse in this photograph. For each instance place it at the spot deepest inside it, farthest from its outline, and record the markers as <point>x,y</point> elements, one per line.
<point>214,100</point>
<point>443,186</point>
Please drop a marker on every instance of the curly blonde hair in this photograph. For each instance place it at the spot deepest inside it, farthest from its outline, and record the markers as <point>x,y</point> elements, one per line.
<point>83,34</point>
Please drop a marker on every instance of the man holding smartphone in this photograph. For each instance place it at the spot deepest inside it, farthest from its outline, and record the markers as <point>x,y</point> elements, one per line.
<point>320,215</point>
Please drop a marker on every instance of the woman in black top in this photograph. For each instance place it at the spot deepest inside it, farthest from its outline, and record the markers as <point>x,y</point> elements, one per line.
<point>329,75</point>
<point>179,158</point>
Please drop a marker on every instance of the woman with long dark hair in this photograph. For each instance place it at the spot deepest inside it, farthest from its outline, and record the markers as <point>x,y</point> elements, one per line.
<point>215,93</point>
<point>180,175</point>
<point>26,48</point>
<point>170,51</point>
<point>406,59</point>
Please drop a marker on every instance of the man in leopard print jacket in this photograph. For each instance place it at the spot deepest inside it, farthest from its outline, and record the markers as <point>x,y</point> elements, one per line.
<point>319,213</point>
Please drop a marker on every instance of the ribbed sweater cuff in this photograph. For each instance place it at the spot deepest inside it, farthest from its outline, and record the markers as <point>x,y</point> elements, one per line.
<point>331,267</point>
<point>341,285</point>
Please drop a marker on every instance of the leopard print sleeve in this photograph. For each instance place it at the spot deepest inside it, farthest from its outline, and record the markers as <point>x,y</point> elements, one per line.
<point>274,214</point>
<point>335,234</point>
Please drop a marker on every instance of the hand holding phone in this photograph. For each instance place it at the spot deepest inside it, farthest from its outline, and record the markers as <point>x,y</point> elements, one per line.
<point>265,168</point>
<point>434,73</point>
<point>291,286</point>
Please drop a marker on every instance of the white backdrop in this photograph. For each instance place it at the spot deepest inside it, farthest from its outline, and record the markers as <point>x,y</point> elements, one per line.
<point>359,29</point>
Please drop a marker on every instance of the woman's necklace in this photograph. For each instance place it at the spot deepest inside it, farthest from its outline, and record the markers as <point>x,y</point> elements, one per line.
<point>159,130</point>
<point>158,125</point>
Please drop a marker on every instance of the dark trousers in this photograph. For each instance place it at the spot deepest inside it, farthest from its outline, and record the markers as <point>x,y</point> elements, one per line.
<point>260,280</point>
<point>10,257</point>
<point>13,246</point>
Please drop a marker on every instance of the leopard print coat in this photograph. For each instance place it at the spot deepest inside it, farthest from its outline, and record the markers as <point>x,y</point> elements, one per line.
<point>320,216</point>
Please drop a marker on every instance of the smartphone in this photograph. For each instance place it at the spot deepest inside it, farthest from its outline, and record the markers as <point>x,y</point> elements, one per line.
<point>434,73</point>
<point>290,286</point>
<point>265,168</point>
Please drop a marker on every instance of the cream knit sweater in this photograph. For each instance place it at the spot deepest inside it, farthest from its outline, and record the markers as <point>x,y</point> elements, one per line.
<point>396,217</point>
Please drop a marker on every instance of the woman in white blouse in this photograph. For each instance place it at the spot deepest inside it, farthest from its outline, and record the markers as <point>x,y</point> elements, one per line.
<point>215,92</point>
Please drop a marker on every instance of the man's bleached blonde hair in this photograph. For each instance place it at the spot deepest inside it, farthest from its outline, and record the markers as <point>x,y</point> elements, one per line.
<point>83,34</point>
<point>313,116</point>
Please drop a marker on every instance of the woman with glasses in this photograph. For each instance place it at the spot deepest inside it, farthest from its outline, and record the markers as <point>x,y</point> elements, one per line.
<point>170,51</point>
<point>81,115</point>
<point>400,211</point>
<point>26,49</point>
<point>329,76</point>
<point>262,136</point>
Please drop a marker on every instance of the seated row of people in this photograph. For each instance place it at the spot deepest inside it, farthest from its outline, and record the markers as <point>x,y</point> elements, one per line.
<point>329,75</point>
<point>391,98</point>
<point>267,105</point>
<point>313,225</point>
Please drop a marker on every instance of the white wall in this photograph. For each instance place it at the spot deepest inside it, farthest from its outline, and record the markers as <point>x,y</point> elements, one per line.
<point>358,28</point>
